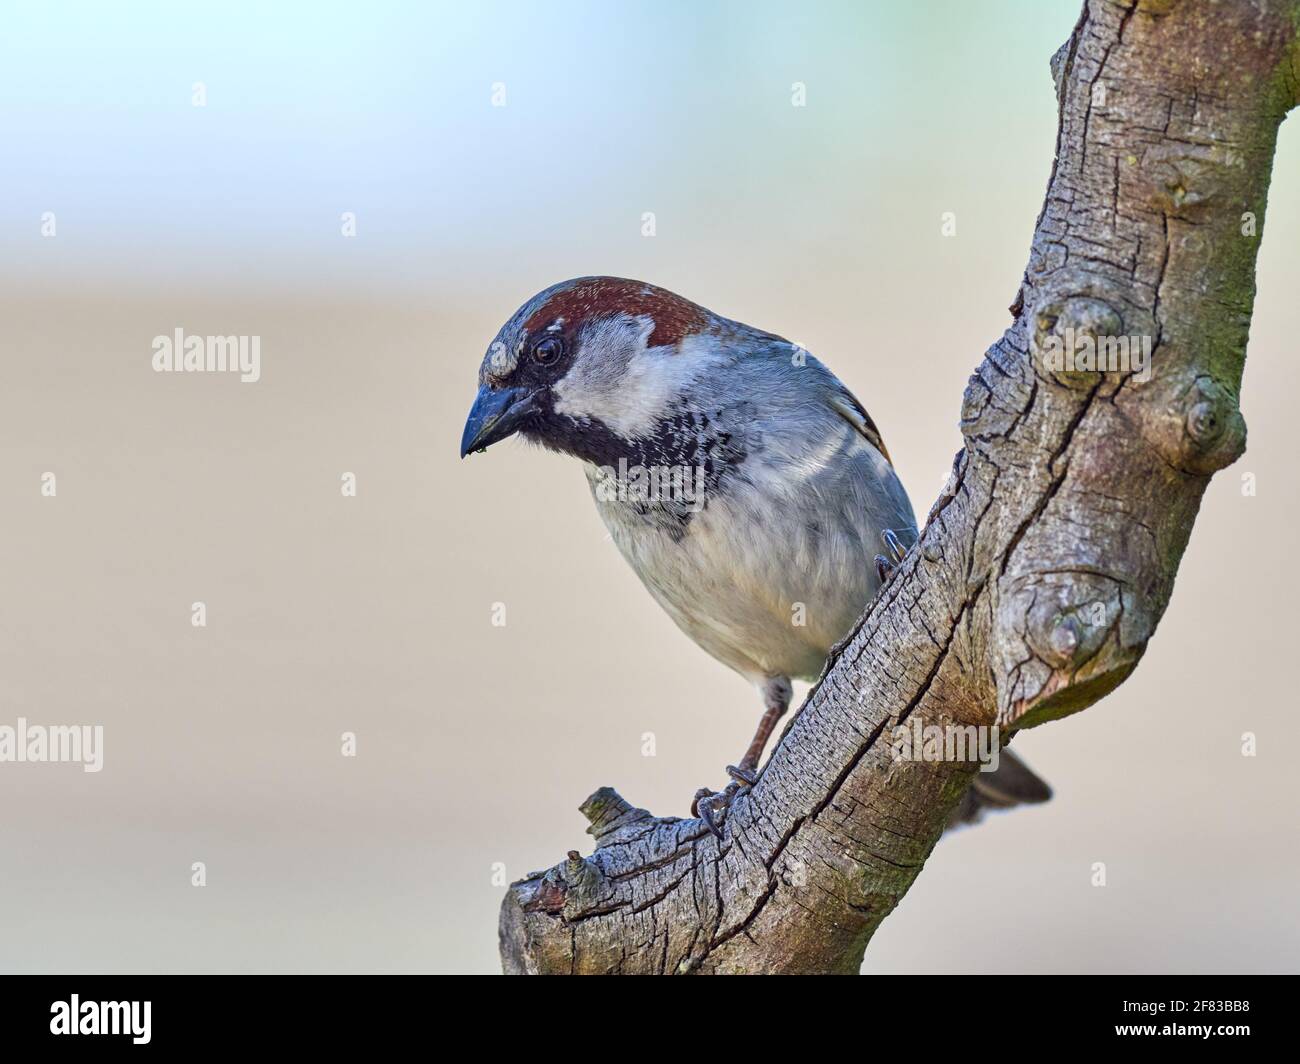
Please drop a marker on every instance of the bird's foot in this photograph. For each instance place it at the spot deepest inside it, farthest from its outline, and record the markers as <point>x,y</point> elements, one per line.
<point>886,565</point>
<point>712,806</point>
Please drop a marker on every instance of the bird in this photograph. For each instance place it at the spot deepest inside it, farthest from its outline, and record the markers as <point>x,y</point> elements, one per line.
<point>747,487</point>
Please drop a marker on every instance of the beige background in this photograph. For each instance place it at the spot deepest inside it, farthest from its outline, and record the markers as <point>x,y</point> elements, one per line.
<point>372,615</point>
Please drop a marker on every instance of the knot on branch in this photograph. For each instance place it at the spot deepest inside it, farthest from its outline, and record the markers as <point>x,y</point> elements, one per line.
<point>1069,622</point>
<point>609,814</point>
<point>1078,337</point>
<point>1184,179</point>
<point>568,888</point>
<point>1066,647</point>
<point>1192,420</point>
<point>1087,328</point>
<point>577,884</point>
<point>1061,328</point>
<point>1215,431</point>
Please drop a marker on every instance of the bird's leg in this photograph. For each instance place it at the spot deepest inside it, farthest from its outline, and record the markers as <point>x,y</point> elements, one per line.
<point>886,565</point>
<point>711,806</point>
<point>747,771</point>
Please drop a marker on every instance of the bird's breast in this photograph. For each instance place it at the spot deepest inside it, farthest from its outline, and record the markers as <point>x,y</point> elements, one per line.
<point>765,571</point>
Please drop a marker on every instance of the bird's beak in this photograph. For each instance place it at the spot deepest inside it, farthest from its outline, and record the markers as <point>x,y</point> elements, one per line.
<point>494,416</point>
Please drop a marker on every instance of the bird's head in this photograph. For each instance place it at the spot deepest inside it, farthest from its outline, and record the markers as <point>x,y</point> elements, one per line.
<point>590,361</point>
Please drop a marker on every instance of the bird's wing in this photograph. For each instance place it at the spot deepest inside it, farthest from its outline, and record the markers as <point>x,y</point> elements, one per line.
<point>845,403</point>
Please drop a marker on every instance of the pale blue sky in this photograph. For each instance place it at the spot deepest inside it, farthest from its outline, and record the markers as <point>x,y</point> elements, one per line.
<point>385,109</point>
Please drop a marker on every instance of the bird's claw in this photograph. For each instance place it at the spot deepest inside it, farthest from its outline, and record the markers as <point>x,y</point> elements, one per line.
<point>885,566</point>
<point>704,806</point>
<point>712,806</point>
<point>895,545</point>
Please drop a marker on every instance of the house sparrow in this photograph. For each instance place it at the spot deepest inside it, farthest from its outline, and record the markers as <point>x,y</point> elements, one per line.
<point>746,486</point>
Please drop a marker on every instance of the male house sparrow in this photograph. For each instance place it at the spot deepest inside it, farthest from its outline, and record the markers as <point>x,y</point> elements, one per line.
<point>745,485</point>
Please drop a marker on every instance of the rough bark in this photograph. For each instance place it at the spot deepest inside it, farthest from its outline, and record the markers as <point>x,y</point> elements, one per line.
<point>1049,557</point>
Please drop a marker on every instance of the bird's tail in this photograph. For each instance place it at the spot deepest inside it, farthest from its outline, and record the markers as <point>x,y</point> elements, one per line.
<point>1013,783</point>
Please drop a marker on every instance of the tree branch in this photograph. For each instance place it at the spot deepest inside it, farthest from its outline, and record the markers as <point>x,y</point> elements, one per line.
<point>1050,556</point>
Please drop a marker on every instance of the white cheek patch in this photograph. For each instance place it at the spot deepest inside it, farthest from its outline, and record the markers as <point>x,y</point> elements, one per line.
<point>618,381</point>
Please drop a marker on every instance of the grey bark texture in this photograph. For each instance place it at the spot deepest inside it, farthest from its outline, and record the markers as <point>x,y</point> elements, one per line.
<point>1049,557</point>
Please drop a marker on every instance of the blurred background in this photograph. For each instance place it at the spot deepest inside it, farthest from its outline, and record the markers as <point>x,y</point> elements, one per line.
<point>197,162</point>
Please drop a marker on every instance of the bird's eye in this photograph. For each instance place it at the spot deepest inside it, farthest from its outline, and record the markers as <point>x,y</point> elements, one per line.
<point>548,350</point>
